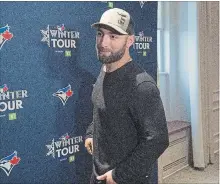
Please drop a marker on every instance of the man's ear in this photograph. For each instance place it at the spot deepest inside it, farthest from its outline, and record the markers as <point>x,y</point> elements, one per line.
<point>130,41</point>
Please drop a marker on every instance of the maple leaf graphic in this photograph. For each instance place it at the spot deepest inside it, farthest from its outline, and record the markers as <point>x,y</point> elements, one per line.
<point>69,93</point>
<point>15,160</point>
<point>7,35</point>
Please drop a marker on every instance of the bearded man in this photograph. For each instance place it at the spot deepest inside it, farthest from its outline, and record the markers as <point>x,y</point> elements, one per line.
<point>129,131</point>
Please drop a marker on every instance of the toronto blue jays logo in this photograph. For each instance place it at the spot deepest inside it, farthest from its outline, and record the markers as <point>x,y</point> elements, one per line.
<point>3,88</point>
<point>61,28</point>
<point>141,33</point>
<point>5,35</point>
<point>64,94</point>
<point>9,162</point>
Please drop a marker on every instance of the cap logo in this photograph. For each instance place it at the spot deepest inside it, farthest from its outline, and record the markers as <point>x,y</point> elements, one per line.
<point>122,20</point>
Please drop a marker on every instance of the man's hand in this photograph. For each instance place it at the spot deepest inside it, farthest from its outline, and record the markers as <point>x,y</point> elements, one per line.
<point>108,177</point>
<point>89,145</point>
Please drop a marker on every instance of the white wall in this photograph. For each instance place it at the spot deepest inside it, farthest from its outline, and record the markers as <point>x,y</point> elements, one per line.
<point>174,81</point>
<point>190,84</point>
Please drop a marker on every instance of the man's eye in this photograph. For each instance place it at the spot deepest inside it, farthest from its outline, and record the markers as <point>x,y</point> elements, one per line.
<point>113,36</point>
<point>99,33</point>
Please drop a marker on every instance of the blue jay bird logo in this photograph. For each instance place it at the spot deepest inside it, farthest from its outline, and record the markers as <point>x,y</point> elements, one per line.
<point>3,29</point>
<point>7,163</point>
<point>64,137</point>
<point>5,35</point>
<point>141,33</point>
<point>61,28</point>
<point>3,88</point>
<point>64,93</point>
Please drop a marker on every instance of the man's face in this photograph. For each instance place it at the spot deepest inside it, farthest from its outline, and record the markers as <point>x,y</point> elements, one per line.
<point>110,46</point>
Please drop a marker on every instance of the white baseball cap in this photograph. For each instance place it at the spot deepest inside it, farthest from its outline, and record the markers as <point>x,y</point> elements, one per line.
<point>118,19</point>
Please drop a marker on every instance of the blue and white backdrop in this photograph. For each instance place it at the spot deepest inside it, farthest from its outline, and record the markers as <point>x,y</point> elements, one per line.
<point>47,67</point>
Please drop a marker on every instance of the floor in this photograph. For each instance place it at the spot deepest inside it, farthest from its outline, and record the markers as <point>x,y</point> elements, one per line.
<point>210,175</point>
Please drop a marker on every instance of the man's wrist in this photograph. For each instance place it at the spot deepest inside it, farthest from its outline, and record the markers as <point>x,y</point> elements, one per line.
<point>88,136</point>
<point>114,176</point>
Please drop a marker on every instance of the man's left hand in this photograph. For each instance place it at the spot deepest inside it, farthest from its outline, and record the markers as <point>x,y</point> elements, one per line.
<point>108,177</point>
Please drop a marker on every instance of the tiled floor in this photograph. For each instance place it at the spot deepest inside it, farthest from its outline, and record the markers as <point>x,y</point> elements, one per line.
<point>210,175</point>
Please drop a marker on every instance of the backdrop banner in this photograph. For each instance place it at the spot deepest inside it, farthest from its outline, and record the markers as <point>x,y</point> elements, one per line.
<point>48,66</point>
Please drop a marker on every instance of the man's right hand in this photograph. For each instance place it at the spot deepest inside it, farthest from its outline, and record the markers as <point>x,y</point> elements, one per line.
<point>89,145</point>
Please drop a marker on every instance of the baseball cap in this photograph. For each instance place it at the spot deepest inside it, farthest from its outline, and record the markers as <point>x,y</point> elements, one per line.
<point>118,19</point>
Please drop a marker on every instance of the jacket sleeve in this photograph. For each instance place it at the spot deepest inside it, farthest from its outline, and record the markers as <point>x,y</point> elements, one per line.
<point>149,118</point>
<point>89,131</point>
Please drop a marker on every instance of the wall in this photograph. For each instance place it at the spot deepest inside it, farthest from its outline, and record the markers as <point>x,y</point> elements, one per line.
<point>174,79</point>
<point>190,85</point>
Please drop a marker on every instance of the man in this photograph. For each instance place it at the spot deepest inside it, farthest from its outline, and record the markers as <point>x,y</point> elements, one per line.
<point>129,130</point>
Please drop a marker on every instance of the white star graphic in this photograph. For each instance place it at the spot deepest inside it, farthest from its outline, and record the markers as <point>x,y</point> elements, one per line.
<point>51,149</point>
<point>46,36</point>
<point>142,3</point>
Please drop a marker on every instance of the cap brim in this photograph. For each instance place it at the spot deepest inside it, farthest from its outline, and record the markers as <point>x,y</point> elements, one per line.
<point>118,29</point>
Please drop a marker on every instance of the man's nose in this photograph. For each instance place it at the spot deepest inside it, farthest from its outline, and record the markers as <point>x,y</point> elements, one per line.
<point>105,41</point>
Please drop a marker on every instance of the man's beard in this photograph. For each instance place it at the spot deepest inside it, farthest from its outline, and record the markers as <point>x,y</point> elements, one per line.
<point>113,57</point>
